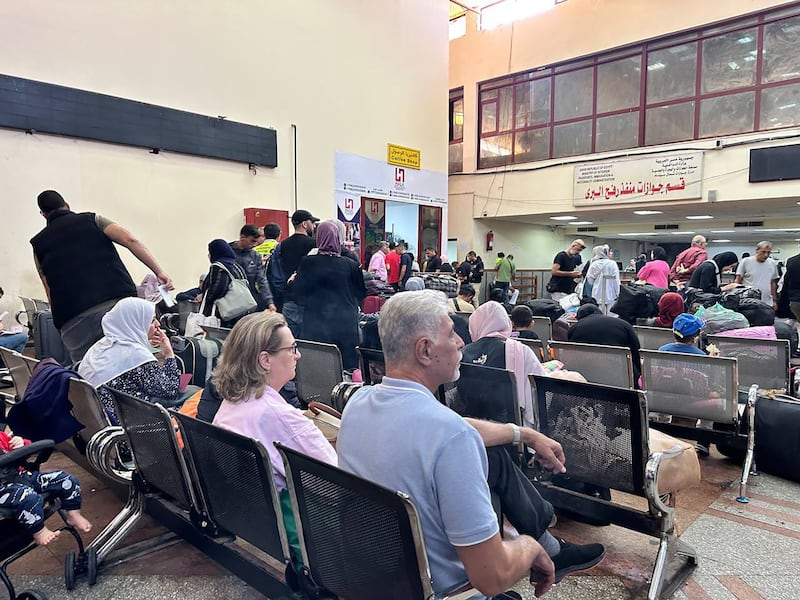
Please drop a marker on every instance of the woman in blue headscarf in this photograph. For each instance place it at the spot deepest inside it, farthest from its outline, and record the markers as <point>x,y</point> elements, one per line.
<point>216,283</point>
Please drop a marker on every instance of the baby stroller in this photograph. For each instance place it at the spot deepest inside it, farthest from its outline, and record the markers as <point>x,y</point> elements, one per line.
<point>16,542</point>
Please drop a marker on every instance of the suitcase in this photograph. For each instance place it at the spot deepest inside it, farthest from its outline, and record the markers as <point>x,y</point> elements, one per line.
<point>47,339</point>
<point>196,356</point>
<point>778,436</point>
<point>372,304</point>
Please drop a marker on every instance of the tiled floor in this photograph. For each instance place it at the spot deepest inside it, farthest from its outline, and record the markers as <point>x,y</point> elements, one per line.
<point>747,551</point>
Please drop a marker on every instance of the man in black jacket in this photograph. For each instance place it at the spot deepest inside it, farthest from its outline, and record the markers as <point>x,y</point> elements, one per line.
<point>791,284</point>
<point>81,271</point>
<point>252,265</point>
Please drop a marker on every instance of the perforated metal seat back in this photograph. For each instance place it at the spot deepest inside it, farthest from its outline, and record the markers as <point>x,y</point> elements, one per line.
<point>537,346</point>
<point>608,365</point>
<point>18,369</point>
<point>603,431</point>
<point>688,385</point>
<point>87,408</point>
<point>151,435</point>
<point>652,338</point>
<point>543,327</point>
<point>235,476</point>
<point>487,393</point>
<point>763,362</point>
<point>318,370</point>
<point>360,541</point>
<point>373,365</point>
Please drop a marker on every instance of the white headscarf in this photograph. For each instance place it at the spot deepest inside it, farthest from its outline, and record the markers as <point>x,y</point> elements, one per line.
<point>124,345</point>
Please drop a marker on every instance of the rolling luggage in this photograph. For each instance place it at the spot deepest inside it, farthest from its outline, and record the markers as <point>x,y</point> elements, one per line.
<point>47,339</point>
<point>372,304</point>
<point>778,436</point>
<point>197,356</point>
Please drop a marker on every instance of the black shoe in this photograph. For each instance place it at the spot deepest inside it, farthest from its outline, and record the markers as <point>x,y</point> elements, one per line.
<point>576,557</point>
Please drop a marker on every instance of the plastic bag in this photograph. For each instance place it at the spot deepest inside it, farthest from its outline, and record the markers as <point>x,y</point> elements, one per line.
<point>718,318</point>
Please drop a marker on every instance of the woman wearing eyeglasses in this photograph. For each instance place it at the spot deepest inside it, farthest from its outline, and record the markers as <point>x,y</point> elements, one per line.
<point>259,358</point>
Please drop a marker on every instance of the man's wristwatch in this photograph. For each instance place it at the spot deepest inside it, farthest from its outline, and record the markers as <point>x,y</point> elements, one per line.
<point>515,429</point>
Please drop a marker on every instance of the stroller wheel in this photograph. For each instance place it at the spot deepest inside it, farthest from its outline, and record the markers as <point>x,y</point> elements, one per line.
<point>91,565</point>
<point>69,570</point>
<point>31,595</point>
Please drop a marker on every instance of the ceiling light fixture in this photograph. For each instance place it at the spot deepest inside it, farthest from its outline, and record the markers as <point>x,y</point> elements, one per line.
<point>699,217</point>
<point>652,212</point>
<point>723,231</point>
<point>564,218</point>
<point>720,241</point>
<point>582,223</point>
<point>682,232</point>
<point>635,234</point>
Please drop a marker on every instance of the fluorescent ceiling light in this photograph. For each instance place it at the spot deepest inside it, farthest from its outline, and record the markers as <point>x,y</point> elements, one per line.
<point>564,218</point>
<point>719,241</point>
<point>652,212</point>
<point>582,223</point>
<point>723,231</point>
<point>635,234</point>
<point>682,232</point>
<point>699,217</point>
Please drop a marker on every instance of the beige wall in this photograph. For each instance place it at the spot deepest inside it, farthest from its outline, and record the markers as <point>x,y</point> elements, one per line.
<point>573,29</point>
<point>351,74</point>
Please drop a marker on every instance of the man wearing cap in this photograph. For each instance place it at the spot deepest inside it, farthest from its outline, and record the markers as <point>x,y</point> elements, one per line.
<point>253,266</point>
<point>685,328</point>
<point>293,249</point>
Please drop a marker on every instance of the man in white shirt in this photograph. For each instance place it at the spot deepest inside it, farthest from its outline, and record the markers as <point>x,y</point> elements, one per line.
<point>760,272</point>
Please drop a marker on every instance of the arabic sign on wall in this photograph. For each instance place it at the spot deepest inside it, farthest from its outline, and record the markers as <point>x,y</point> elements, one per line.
<point>657,178</point>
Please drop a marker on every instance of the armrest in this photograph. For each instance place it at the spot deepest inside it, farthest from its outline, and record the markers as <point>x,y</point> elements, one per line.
<point>17,316</point>
<point>40,451</point>
<point>651,476</point>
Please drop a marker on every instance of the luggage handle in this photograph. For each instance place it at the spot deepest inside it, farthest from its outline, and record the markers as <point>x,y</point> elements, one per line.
<point>319,407</point>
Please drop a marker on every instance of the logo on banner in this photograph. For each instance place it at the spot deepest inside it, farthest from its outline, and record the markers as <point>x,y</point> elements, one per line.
<point>399,178</point>
<point>349,207</point>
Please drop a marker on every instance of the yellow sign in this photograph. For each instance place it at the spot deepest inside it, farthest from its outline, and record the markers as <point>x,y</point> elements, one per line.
<point>403,157</point>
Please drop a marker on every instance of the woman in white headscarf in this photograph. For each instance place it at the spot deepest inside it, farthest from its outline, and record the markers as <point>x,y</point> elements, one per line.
<point>123,358</point>
<point>603,276</point>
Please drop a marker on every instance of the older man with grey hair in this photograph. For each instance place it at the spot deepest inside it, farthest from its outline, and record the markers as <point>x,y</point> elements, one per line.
<point>398,435</point>
<point>688,260</point>
<point>761,273</point>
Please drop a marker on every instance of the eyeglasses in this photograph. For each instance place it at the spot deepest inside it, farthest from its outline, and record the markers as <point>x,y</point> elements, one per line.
<point>293,348</point>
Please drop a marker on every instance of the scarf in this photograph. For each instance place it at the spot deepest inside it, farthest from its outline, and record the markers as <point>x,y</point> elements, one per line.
<point>124,345</point>
<point>220,251</point>
<point>670,305</point>
<point>328,239</point>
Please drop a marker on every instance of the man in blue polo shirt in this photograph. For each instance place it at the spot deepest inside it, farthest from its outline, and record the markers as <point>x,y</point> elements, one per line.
<point>398,435</point>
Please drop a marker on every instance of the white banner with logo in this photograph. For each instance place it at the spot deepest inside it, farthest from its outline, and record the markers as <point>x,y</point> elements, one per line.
<point>654,178</point>
<point>358,176</point>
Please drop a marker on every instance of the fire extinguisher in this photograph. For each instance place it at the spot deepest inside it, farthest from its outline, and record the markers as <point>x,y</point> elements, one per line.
<point>490,240</point>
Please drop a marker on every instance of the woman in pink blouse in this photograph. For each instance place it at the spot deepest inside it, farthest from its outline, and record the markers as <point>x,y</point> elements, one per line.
<point>656,272</point>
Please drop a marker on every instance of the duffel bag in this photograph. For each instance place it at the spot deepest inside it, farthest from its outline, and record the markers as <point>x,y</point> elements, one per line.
<point>442,282</point>
<point>756,312</point>
<point>695,298</point>
<point>778,436</point>
<point>545,307</point>
<point>637,301</point>
<point>786,329</point>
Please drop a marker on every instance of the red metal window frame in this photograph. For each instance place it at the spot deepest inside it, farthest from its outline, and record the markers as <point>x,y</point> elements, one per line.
<point>755,21</point>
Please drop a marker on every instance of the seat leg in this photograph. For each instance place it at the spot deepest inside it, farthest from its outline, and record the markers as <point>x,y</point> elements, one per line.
<point>670,547</point>
<point>120,526</point>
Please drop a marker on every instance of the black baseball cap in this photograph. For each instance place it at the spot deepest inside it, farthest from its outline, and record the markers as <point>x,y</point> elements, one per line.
<point>303,215</point>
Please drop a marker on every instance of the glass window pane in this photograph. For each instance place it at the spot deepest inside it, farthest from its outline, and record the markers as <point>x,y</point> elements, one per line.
<point>618,84</point>
<point>671,73</point>
<point>533,103</point>
<point>457,117</point>
<point>780,106</point>
<point>729,61</point>
<point>572,139</point>
<point>669,123</point>
<point>495,151</point>
<point>617,132</point>
<point>455,162</point>
<point>506,108</point>
<point>781,58</point>
<point>573,94</point>
<point>727,114</point>
<point>531,145</point>
<point>488,94</point>
<point>489,117</point>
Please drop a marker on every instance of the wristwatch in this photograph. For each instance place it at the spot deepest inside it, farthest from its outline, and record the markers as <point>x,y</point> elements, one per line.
<point>515,429</point>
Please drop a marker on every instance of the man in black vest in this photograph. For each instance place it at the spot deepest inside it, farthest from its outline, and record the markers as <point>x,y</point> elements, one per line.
<point>81,271</point>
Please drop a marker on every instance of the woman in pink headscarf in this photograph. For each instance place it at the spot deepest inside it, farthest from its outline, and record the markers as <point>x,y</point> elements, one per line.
<point>490,327</point>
